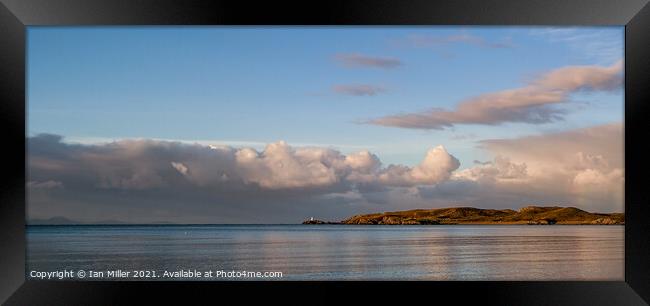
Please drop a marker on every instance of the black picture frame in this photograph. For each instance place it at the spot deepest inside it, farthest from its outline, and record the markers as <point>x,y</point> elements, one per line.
<point>16,15</point>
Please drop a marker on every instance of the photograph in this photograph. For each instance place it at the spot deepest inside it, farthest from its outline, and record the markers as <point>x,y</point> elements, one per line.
<point>329,153</point>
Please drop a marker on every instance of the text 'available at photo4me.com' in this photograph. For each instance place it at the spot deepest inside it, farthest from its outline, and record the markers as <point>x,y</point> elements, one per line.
<point>194,274</point>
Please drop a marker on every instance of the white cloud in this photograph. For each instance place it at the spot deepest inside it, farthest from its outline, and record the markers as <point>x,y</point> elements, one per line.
<point>363,162</point>
<point>598,179</point>
<point>280,166</point>
<point>180,167</point>
<point>436,167</point>
<point>144,164</point>
<point>500,169</point>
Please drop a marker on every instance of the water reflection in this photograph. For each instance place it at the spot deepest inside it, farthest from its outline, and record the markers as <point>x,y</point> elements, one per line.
<point>340,252</point>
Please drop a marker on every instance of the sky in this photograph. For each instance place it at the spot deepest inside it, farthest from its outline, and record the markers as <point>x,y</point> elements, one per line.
<point>277,124</point>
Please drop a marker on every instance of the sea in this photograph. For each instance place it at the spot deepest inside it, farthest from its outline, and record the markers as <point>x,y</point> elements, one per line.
<point>325,252</point>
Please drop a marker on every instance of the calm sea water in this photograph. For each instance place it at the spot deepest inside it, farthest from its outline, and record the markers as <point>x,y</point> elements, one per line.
<point>339,252</point>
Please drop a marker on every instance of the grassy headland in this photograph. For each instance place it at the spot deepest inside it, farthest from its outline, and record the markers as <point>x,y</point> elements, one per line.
<point>469,215</point>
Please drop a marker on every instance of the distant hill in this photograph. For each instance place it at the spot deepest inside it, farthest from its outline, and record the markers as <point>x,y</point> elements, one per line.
<point>65,221</point>
<point>470,215</point>
<point>52,221</point>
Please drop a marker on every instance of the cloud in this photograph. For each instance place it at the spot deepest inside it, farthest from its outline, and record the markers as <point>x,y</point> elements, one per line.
<point>280,166</point>
<point>592,147</point>
<point>150,164</point>
<point>206,142</point>
<point>463,136</point>
<point>436,167</point>
<point>582,167</point>
<point>428,41</point>
<point>533,103</point>
<point>363,162</point>
<point>144,181</point>
<point>358,89</point>
<point>499,169</point>
<point>356,60</point>
<point>44,185</point>
<point>597,44</point>
<point>150,180</point>
<point>180,167</point>
<point>595,178</point>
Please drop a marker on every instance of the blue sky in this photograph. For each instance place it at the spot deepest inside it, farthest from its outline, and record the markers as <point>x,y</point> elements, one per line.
<point>250,86</point>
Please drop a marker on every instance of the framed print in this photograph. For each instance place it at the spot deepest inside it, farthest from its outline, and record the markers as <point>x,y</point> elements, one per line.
<point>183,150</point>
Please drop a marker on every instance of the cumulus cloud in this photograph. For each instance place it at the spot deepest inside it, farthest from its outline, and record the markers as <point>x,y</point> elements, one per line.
<point>151,180</point>
<point>582,167</point>
<point>499,169</point>
<point>596,178</point>
<point>358,89</point>
<point>356,60</point>
<point>584,162</point>
<point>534,103</point>
<point>147,164</point>
<point>280,166</point>
<point>592,147</point>
<point>436,167</point>
<point>363,162</point>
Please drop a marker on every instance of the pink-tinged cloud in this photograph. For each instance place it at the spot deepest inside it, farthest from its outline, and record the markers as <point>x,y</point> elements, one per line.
<point>593,147</point>
<point>534,103</point>
<point>356,60</point>
<point>436,167</point>
<point>151,165</point>
<point>582,167</point>
<point>201,183</point>
<point>358,89</point>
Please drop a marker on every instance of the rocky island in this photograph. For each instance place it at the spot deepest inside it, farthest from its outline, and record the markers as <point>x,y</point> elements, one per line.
<point>533,215</point>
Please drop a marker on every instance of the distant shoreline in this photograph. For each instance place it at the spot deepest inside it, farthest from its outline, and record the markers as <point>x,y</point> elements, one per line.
<point>530,215</point>
<point>274,224</point>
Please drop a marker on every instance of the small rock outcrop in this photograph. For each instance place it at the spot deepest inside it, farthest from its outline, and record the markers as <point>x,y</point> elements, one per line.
<point>315,221</point>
